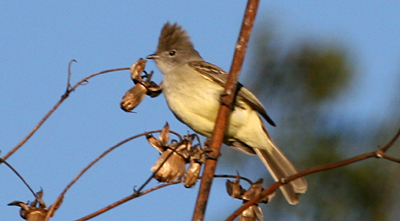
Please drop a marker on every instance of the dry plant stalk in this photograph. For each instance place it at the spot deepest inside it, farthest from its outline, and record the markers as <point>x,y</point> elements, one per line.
<point>51,111</point>
<point>253,212</point>
<point>380,153</point>
<point>224,110</point>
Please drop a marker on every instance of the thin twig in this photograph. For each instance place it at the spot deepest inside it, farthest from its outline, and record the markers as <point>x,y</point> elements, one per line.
<point>23,180</point>
<point>235,177</point>
<point>69,76</point>
<point>376,154</point>
<point>390,158</point>
<point>126,199</point>
<point>58,202</point>
<point>224,110</point>
<point>391,142</point>
<point>63,97</point>
<point>276,185</point>
<point>138,194</point>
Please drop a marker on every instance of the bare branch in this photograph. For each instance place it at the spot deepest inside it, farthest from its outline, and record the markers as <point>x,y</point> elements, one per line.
<point>390,158</point>
<point>69,76</point>
<point>138,194</point>
<point>126,199</point>
<point>16,172</point>
<point>58,202</point>
<point>376,154</point>
<point>224,110</point>
<point>63,97</point>
<point>233,176</point>
<point>391,142</point>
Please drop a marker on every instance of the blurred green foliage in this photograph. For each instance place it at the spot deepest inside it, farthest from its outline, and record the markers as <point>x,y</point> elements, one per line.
<point>299,85</point>
<point>323,70</point>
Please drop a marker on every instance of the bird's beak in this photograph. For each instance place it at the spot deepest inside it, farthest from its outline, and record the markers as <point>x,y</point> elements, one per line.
<point>153,56</point>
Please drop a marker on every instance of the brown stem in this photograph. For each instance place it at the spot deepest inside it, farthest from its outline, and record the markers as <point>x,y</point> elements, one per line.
<point>20,177</point>
<point>63,97</point>
<point>391,142</point>
<point>58,202</point>
<point>234,176</point>
<point>136,195</point>
<point>273,187</point>
<point>390,158</point>
<point>124,200</point>
<point>224,110</point>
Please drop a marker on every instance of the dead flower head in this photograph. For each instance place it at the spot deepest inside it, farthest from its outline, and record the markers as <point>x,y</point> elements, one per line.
<point>170,165</point>
<point>137,69</point>
<point>234,189</point>
<point>196,157</point>
<point>192,173</point>
<point>253,212</point>
<point>161,144</point>
<point>35,211</point>
<point>133,97</point>
<point>136,94</point>
<point>174,157</point>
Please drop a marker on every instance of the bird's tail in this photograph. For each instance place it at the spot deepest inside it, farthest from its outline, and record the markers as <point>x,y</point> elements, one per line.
<point>279,166</point>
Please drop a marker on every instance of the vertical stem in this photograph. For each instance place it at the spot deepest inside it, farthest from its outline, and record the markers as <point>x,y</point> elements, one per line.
<point>224,110</point>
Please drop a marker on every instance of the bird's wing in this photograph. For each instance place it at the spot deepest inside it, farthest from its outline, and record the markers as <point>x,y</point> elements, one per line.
<point>216,74</point>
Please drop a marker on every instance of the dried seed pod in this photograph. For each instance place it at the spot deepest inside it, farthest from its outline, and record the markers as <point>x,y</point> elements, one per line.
<point>164,135</point>
<point>133,97</point>
<point>234,189</point>
<point>192,173</point>
<point>172,166</point>
<point>254,190</point>
<point>36,211</point>
<point>137,69</point>
<point>30,213</point>
<point>252,213</point>
<point>153,89</point>
<point>197,154</point>
<point>155,143</point>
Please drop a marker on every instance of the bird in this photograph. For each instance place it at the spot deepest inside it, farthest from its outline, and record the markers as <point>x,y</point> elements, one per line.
<point>193,87</point>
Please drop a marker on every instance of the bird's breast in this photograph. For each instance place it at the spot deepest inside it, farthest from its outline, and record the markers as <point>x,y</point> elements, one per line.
<point>193,99</point>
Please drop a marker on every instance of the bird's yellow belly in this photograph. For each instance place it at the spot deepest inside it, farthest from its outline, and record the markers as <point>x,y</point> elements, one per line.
<point>194,100</point>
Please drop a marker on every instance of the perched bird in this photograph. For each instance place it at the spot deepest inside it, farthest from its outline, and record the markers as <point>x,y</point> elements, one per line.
<point>192,88</point>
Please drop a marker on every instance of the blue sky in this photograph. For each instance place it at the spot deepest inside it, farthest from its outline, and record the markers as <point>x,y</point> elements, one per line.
<point>39,38</point>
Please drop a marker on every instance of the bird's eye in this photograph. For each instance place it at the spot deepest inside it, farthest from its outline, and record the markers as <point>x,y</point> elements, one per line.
<point>172,53</point>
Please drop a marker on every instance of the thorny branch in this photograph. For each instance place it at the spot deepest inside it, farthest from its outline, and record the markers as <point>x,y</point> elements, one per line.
<point>380,153</point>
<point>63,97</point>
